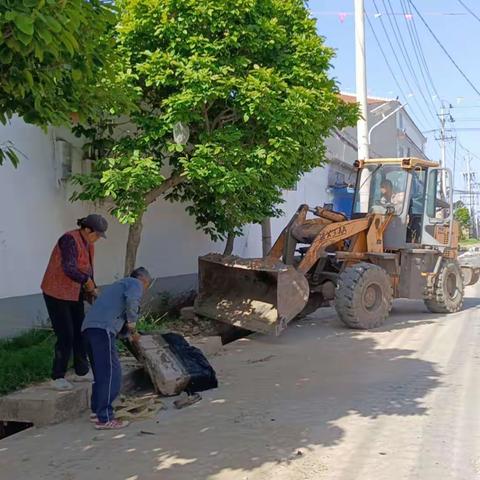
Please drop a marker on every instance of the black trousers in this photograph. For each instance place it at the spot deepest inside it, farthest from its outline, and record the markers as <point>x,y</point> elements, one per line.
<point>67,317</point>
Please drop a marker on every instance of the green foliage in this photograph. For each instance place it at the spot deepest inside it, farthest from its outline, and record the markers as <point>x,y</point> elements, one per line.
<point>51,54</point>
<point>249,79</point>
<point>25,359</point>
<point>125,179</point>
<point>462,215</point>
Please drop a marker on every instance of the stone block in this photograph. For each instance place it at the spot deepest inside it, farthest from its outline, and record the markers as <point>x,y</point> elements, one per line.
<point>187,313</point>
<point>165,370</point>
<point>42,405</point>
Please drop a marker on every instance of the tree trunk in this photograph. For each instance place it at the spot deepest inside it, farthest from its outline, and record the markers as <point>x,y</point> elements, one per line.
<point>133,242</point>
<point>135,230</point>
<point>266,236</point>
<point>229,245</point>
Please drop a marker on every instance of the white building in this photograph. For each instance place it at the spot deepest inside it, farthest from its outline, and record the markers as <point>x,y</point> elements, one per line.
<point>396,135</point>
<point>35,210</point>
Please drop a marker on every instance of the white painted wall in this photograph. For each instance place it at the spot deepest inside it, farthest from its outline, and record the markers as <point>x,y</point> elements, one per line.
<point>34,213</point>
<point>311,189</point>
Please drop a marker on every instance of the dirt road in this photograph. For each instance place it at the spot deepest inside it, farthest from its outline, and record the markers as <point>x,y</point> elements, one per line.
<point>320,402</point>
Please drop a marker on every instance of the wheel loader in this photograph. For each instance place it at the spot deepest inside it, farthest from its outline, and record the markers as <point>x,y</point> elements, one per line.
<point>400,242</point>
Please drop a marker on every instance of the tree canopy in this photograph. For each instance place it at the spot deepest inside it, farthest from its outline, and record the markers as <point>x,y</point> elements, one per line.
<point>249,81</point>
<point>51,52</point>
<point>462,215</point>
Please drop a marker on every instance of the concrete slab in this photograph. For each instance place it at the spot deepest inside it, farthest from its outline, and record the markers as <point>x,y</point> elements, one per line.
<point>42,405</point>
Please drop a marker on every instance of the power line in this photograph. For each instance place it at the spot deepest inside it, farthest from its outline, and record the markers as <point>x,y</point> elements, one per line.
<point>465,149</point>
<point>385,58</point>
<point>469,10</point>
<point>443,48</point>
<point>413,26</point>
<point>420,109</point>
<point>403,50</point>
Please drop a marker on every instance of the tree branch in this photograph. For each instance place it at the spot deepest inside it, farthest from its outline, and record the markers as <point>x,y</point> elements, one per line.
<point>222,116</point>
<point>205,116</point>
<point>168,184</point>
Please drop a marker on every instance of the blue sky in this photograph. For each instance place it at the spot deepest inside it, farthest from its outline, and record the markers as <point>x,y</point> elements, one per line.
<point>457,30</point>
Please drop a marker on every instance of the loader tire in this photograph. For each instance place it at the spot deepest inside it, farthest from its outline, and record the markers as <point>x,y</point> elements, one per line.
<point>363,298</point>
<point>448,290</point>
<point>475,278</point>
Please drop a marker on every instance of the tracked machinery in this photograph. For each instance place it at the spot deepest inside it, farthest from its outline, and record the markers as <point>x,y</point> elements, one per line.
<point>400,242</point>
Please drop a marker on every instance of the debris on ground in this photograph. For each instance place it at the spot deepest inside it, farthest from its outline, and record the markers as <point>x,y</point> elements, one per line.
<point>261,360</point>
<point>139,408</point>
<point>186,400</point>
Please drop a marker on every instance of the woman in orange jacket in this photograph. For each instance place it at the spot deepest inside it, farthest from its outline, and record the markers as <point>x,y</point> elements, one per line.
<point>67,282</point>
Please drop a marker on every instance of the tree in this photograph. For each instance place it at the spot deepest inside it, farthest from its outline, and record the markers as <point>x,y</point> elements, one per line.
<point>50,54</point>
<point>462,215</point>
<point>248,84</point>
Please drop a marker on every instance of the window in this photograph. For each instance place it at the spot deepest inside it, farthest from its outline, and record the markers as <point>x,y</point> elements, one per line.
<point>400,121</point>
<point>438,204</point>
<point>417,195</point>
<point>381,186</point>
<point>400,152</point>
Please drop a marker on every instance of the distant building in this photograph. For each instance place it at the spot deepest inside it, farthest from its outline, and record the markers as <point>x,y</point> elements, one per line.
<point>397,136</point>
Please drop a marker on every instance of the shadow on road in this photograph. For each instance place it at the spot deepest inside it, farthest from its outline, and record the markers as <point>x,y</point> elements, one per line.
<point>282,395</point>
<point>277,396</point>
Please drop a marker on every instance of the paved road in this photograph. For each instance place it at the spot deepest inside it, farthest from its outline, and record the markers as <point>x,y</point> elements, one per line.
<point>320,402</point>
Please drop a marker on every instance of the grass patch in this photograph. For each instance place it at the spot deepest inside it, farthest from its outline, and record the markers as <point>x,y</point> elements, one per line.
<point>163,323</point>
<point>470,241</point>
<point>25,359</point>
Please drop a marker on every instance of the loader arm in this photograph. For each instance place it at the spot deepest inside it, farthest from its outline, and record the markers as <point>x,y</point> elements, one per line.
<point>331,234</point>
<point>277,251</point>
<point>373,225</point>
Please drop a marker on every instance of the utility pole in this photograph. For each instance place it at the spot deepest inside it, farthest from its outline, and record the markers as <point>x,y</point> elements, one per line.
<point>443,143</point>
<point>361,86</point>
<point>444,136</point>
<point>469,177</point>
<point>361,80</point>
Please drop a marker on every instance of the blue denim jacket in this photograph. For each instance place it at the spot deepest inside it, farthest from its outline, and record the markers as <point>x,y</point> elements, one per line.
<point>116,304</point>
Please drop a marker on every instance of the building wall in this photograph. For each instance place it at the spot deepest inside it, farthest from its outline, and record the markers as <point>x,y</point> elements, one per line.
<point>34,213</point>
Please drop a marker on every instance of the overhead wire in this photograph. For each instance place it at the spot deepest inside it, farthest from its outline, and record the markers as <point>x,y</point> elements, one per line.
<point>399,64</point>
<point>443,48</point>
<point>403,50</point>
<point>387,62</point>
<point>418,49</point>
<point>469,10</point>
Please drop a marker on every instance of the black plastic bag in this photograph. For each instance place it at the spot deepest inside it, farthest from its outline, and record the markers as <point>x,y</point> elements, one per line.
<point>202,375</point>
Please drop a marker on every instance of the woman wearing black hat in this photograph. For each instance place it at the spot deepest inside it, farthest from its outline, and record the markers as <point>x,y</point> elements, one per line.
<point>67,282</point>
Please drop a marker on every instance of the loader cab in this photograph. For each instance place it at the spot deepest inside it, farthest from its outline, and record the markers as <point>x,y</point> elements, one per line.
<point>416,191</point>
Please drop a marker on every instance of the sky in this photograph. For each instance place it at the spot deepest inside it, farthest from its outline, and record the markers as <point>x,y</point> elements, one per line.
<point>426,80</point>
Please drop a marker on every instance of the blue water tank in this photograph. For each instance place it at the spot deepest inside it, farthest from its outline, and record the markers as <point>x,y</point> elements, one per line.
<point>342,199</point>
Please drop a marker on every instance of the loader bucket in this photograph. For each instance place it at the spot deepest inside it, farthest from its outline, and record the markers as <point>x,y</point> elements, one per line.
<point>250,293</point>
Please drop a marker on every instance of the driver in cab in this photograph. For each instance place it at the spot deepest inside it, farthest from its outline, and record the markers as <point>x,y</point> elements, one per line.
<point>388,197</point>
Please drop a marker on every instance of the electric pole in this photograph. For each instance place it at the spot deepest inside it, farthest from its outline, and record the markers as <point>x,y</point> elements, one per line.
<point>361,80</point>
<point>469,178</point>
<point>445,136</point>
